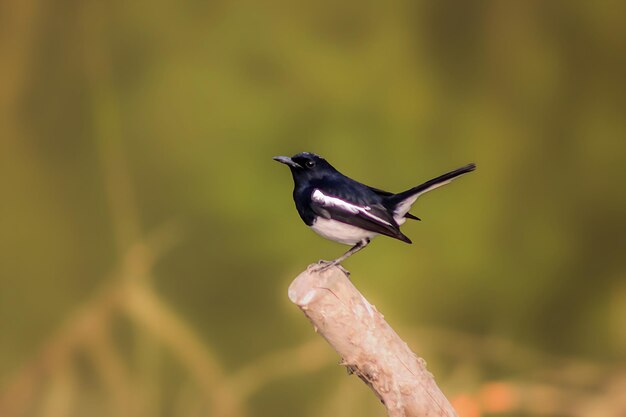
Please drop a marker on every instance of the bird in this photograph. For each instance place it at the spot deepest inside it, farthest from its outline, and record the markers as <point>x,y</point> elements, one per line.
<point>346,211</point>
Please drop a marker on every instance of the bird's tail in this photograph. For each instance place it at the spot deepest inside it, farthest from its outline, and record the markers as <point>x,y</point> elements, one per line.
<point>401,203</point>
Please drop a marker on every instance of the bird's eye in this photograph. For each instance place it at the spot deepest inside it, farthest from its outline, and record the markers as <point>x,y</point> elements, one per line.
<point>310,164</point>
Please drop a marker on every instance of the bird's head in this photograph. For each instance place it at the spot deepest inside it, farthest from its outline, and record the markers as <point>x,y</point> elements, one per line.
<point>306,166</point>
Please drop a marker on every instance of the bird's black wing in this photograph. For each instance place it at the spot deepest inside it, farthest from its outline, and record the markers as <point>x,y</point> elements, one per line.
<point>331,204</point>
<point>380,192</point>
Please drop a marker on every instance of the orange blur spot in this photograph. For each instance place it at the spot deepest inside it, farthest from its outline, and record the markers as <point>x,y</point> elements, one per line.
<point>498,397</point>
<point>466,406</point>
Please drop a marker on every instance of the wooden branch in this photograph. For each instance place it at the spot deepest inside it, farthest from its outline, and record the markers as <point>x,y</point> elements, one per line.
<point>368,346</point>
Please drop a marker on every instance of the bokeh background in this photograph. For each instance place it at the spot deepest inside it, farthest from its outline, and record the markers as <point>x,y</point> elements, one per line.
<point>147,239</point>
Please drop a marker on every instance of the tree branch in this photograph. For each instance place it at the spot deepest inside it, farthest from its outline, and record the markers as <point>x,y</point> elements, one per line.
<point>368,346</point>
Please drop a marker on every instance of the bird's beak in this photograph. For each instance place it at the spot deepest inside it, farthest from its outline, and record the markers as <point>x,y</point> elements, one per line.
<point>287,161</point>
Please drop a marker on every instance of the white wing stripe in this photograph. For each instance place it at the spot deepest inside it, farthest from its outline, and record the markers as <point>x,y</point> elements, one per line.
<point>329,201</point>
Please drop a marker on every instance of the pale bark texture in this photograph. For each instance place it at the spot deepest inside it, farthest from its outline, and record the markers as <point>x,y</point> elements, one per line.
<point>368,346</point>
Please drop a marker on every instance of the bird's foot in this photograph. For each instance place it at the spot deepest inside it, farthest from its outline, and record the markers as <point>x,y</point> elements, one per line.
<point>322,266</point>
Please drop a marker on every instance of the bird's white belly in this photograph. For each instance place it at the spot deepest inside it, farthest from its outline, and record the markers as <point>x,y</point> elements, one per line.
<point>340,232</point>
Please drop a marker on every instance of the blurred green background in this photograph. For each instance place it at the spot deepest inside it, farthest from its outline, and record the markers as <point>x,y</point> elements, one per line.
<point>147,239</point>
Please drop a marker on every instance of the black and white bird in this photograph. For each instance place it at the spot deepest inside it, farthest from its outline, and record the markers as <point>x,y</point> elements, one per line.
<point>346,211</point>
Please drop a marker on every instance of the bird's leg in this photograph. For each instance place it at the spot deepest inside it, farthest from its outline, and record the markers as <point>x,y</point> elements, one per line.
<point>354,249</point>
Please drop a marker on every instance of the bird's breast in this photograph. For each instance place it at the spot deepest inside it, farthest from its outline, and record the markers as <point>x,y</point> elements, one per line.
<point>340,232</point>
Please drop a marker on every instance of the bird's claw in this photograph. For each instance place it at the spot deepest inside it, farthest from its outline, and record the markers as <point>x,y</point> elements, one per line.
<point>322,266</point>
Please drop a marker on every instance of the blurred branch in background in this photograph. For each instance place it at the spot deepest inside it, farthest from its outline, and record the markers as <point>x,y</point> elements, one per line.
<point>51,384</point>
